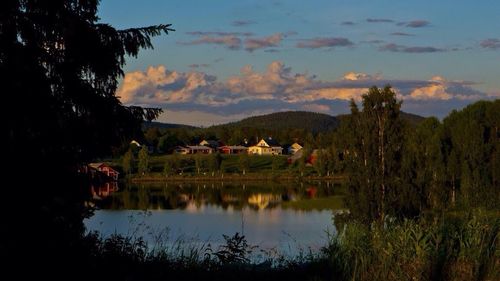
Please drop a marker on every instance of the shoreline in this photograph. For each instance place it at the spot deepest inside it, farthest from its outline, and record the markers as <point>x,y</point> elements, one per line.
<point>233,177</point>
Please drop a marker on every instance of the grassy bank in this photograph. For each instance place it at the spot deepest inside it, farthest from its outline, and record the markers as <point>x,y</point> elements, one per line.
<point>197,167</point>
<point>159,177</point>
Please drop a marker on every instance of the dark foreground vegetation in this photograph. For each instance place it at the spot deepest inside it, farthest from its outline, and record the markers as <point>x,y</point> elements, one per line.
<point>442,249</point>
<point>410,194</point>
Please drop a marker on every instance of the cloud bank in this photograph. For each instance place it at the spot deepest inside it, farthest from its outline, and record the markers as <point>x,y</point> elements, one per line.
<point>233,40</point>
<point>491,43</point>
<point>324,42</point>
<point>391,47</point>
<point>278,88</point>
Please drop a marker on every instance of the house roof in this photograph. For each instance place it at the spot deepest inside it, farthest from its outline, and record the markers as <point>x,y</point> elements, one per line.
<point>196,147</point>
<point>296,145</point>
<point>212,143</point>
<point>180,146</point>
<point>234,147</point>
<point>269,142</point>
<point>96,165</point>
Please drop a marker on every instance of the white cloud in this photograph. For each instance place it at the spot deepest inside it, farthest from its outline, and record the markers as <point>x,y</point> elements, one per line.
<point>316,107</point>
<point>354,76</point>
<point>277,88</point>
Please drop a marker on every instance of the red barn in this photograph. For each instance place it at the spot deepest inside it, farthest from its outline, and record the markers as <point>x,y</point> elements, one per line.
<point>105,169</point>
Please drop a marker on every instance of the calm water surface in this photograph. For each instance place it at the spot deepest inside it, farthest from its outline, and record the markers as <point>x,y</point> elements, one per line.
<point>286,217</point>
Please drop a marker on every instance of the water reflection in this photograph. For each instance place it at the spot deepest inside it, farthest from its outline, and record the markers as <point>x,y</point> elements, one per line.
<point>195,195</point>
<point>103,190</point>
<point>282,216</point>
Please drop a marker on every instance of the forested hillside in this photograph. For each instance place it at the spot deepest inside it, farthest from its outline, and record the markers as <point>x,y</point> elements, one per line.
<point>311,121</point>
<point>308,128</point>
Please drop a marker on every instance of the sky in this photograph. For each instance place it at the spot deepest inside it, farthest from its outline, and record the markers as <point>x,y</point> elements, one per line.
<point>230,59</point>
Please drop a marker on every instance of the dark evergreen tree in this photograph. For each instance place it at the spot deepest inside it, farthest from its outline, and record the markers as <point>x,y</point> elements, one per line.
<point>60,68</point>
<point>423,169</point>
<point>471,142</point>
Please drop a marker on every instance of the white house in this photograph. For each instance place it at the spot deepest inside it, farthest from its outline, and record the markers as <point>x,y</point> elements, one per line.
<point>199,149</point>
<point>294,148</point>
<point>193,149</point>
<point>264,148</point>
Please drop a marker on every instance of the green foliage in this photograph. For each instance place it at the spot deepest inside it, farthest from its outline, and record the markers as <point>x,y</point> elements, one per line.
<point>418,250</point>
<point>198,163</point>
<point>423,169</point>
<point>143,166</point>
<point>128,162</point>
<point>214,162</point>
<point>321,163</point>
<point>471,151</point>
<point>373,142</point>
<point>277,164</point>
<point>244,163</point>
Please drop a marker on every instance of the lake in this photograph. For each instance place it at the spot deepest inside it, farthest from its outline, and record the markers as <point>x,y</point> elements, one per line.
<point>285,217</point>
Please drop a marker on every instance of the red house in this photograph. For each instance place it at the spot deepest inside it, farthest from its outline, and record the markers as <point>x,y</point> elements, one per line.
<point>233,149</point>
<point>105,169</point>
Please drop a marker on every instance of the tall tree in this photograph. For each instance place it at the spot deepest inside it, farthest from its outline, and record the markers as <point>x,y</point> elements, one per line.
<point>143,165</point>
<point>244,163</point>
<point>60,68</point>
<point>128,162</point>
<point>471,140</point>
<point>374,141</point>
<point>423,168</point>
<point>214,162</point>
<point>198,162</point>
<point>321,162</point>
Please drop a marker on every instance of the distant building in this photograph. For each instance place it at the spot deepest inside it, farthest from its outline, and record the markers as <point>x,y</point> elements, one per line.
<point>210,143</point>
<point>181,150</point>
<point>104,169</point>
<point>292,149</point>
<point>296,156</point>
<point>199,149</point>
<point>136,143</point>
<point>264,147</point>
<point>193,149</point>
<point>233,149</point>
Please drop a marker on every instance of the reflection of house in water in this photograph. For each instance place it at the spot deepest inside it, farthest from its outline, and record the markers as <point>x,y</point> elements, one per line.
<point>262,201</point>
<point>229,198</point>
<point>103,190</point>
<point>103,179</point>
<point>311,191</point>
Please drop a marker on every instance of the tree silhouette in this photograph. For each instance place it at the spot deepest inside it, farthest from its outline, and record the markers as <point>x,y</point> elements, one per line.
<point>374,142</point>
<point>60,68</point>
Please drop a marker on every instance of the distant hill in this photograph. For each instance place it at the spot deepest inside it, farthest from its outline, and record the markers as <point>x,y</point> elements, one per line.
<point>411,118</point>
<point>161,125</point>
<point>309,121</point>
<point>312,121</point>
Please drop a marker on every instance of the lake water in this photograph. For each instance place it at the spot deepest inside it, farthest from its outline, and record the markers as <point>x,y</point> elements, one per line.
<point>285,217</point>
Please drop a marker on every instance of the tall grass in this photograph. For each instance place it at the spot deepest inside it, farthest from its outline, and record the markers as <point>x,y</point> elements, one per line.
<point>465,249</point>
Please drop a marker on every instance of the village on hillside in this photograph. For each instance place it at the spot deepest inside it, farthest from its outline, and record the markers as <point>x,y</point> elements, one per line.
<point>266,146</point>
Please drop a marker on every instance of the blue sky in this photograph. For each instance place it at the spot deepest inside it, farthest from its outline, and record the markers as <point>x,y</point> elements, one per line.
<point>232,59</point>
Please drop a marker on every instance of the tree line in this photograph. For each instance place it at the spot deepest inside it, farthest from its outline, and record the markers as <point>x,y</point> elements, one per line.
<point>399,170</point>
